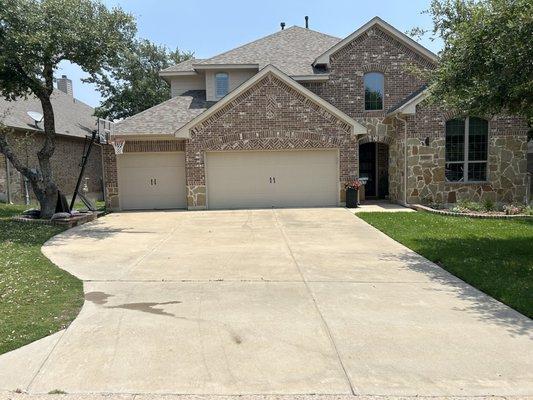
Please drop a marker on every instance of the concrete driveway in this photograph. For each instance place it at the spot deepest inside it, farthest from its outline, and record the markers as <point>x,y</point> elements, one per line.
<point>295,301</point>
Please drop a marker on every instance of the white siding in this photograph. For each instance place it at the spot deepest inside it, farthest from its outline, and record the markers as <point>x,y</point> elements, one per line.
<point>181,84</point>
<point>236,78</point>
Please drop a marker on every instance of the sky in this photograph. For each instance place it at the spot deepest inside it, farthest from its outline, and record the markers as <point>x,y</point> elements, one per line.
<point>210,27</point>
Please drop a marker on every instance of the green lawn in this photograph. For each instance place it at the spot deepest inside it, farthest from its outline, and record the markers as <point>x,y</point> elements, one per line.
<point>494,255</point>
<point>36,297</point>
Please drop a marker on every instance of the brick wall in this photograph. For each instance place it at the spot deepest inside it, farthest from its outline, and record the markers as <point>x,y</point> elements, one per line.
<point>65,165</point>
<point>269,116</point>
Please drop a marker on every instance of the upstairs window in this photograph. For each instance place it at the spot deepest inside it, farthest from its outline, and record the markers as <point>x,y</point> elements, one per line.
<point>221,84</point>
<point>374,89</point>
<point>466,150</point>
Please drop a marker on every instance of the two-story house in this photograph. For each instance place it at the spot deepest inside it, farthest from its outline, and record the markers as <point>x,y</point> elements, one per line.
<point>288,119</point>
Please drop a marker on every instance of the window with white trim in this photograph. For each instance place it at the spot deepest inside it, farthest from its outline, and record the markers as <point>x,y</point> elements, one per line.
<point>374,90</point>
<point>221,84</point>
<point>466,149</point>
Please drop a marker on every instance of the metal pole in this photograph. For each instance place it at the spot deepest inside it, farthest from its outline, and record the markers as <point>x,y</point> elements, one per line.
<point>8,182</point>
<point>83,164</point>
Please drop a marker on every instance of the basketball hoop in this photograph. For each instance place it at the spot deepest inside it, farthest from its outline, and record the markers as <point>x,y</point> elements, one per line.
<point>118,145</point>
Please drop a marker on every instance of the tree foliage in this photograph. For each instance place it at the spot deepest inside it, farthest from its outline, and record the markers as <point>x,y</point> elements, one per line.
<point>134,84</point>
<point>486,64</point>
<point>35,36</point>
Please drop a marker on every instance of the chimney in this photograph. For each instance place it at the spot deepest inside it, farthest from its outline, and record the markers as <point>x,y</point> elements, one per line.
<point>306,22</point>
<point>282,25</point>
<point>65,85</point>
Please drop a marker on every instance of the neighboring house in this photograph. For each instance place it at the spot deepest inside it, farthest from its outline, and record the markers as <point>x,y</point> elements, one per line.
<point>73,121</point>
<point>288,119</point>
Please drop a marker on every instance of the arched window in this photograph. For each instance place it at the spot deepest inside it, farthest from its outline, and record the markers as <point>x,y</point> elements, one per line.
<point>374,90</point>
<point>466,149</point>
<point>221,84</point>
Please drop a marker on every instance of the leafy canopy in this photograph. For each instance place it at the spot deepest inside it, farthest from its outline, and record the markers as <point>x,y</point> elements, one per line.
<point>134,84</point>
<point>486,66</point>
<point>35,35</point>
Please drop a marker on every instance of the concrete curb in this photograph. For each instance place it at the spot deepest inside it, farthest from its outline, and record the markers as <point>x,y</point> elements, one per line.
<point>420,207</point>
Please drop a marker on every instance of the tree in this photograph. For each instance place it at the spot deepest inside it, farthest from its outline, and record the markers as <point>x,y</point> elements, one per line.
<point>486,64</point>
<point>35,36</point>
<point>134,84</point>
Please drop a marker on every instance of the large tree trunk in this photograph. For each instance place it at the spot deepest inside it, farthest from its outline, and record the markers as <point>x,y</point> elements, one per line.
<point>47,195</point>
<point>42,180</point>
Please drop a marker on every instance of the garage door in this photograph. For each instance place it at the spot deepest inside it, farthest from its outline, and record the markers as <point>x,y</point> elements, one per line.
<point>151,180</point>
<point>249,179</point>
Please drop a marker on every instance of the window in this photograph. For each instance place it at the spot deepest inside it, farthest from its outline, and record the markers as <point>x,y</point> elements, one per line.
<point>374,83</point>
<point>466,150</point>
<point>221,84</point>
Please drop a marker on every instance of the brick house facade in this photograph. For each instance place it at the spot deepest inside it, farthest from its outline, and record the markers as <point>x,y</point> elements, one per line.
<point>274,114</point>
<point>65,166</point>
<point>74,120</point>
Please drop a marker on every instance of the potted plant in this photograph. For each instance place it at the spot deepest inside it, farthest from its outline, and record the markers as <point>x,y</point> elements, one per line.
<point>352,187</point>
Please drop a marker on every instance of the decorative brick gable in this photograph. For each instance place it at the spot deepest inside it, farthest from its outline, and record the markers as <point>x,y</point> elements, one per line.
<point>270,115</point>
<point>373,51</point>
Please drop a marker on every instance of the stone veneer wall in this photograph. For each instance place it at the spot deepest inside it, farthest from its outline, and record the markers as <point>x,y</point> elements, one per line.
<point>507,161</point>
<point>375,51</point>
<point>268,116</point>
<point>131,146</point>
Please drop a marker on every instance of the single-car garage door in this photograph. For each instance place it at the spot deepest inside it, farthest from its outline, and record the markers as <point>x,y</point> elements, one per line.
<point>248,179</point>
<point>151,180</point>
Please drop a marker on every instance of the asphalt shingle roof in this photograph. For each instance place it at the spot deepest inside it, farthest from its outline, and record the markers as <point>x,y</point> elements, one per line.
<point>72,117</point>
<point>292,50</point>
<point>408,98</point>
<point>167,117</point>
<point>185,66</point>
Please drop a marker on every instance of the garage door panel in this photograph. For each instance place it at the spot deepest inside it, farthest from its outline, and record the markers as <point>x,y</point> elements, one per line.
<point>152,180</point>
<point>243,179</point>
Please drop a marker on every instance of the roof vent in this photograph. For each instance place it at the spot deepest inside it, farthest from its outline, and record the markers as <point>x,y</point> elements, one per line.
<point>282,25</point>
<point>306,22</point>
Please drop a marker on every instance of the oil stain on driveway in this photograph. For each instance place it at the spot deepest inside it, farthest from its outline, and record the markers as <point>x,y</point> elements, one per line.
<point>291,301</point>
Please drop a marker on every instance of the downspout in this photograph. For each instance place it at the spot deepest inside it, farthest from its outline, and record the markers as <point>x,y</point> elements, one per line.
<point>405,203</point>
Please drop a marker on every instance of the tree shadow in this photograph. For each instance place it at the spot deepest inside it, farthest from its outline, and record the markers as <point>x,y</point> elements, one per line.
<point>476,302</point>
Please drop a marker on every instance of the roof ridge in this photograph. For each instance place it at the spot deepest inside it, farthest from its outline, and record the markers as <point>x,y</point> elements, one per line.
<point>263,38</point>
<point>315,31</point>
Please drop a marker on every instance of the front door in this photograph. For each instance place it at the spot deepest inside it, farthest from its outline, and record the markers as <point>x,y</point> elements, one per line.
<point>367,167</point>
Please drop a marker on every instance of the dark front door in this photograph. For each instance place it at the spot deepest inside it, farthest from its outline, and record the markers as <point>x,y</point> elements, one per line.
<point>367,167</point>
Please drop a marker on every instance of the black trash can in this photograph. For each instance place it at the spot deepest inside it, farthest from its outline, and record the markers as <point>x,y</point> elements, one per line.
<point>351,198</point>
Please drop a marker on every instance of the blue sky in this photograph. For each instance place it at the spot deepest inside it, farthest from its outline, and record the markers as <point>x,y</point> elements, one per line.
<point>210,27</point>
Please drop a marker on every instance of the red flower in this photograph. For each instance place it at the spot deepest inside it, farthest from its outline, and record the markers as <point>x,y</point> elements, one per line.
<point>354,184</point>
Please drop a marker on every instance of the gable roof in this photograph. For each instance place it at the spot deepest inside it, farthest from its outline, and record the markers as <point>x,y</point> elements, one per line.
<point>165,118</point>
<point>182,67</point>
<point>356,127</point>
<point>323,59</point>
<point>408,105</point>
<point>412,100</point>
<point>291,50</point>
<point>72,117</point>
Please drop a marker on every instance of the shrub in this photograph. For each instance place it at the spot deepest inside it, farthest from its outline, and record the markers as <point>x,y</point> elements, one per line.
<point>489,205</point>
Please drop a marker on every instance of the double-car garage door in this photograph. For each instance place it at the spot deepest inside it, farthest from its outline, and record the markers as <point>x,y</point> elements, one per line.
<point>240,179</point>
<point>250,179</point>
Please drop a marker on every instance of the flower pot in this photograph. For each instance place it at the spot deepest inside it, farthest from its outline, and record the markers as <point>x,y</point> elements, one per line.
<point>351,198</point>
